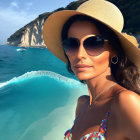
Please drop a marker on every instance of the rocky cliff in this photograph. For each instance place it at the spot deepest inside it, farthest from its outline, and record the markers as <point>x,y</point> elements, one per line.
<point>31,34</point>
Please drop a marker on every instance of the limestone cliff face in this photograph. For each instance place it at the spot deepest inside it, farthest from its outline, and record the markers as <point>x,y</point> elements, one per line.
<point>29,35</point>
<point>33,34</point>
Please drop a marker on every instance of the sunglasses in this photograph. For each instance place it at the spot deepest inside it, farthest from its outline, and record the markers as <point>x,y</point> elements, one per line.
<point>93,45</point>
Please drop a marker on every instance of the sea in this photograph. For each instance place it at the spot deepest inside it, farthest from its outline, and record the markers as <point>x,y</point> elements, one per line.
<point>38,96</point>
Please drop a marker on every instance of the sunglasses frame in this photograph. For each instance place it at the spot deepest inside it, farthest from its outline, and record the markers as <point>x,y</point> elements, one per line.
<point>83,40</point>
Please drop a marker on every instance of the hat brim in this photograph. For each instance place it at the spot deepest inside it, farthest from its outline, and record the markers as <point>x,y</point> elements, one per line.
<point>52,36</point>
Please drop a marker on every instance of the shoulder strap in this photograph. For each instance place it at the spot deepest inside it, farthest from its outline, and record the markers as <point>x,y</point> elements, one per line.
<point>103,126</point>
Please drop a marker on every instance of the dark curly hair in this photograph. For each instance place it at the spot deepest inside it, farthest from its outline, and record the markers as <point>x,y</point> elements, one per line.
<point>125,72</point>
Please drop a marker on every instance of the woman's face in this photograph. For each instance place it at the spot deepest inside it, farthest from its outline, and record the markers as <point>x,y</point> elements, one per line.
<point>95,65</point>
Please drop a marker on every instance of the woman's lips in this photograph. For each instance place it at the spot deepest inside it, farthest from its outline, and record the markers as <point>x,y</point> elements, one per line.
<point>82,67</point>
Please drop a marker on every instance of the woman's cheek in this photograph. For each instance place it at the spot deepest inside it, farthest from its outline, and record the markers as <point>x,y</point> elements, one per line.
<point>102,58</point>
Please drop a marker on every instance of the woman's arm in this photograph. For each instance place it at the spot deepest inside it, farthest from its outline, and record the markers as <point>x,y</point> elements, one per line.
<point>128,114</point>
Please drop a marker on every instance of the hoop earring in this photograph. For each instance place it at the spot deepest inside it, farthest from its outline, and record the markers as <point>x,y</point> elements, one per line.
<point>114,60</point>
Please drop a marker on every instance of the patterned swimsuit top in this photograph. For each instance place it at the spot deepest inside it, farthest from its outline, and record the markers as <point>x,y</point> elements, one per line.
<point>101,135</point>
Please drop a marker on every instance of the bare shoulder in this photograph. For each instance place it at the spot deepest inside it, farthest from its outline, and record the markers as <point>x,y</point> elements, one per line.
<point>127,112</point>
<point>127,100</point>
<point>129,97</point>
<point>82,100</point>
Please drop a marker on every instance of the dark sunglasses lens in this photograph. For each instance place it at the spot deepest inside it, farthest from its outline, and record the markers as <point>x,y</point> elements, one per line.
<point>94,45</point>
<point>70,45</point>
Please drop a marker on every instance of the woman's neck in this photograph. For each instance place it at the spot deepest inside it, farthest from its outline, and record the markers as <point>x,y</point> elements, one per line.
<point>100,86</point>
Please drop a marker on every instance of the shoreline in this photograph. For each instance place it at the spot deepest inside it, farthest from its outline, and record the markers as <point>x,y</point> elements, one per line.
<point>35,46</point>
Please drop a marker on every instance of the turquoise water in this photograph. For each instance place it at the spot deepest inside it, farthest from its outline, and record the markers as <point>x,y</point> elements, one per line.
<point>37,95</point>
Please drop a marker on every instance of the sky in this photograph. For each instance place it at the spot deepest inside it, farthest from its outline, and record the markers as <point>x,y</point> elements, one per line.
<point>14,14</point>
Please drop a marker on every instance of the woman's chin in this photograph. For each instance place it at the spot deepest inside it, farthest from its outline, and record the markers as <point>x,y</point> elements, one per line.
<point>84,77</point>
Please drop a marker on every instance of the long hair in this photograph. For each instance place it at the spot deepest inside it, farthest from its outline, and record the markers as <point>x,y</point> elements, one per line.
<point>125,72</point>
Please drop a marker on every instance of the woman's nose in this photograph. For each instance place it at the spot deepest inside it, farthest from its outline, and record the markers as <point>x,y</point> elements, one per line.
<point>81,52</point>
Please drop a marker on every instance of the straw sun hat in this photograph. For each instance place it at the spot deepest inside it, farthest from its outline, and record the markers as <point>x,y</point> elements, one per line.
<point>101,10</point>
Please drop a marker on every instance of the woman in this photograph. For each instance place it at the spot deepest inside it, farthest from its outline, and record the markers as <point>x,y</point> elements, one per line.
<point>90,41</point>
